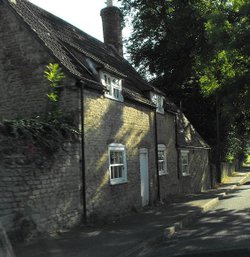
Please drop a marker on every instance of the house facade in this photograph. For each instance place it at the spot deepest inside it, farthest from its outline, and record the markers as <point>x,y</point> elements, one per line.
<point>134,147</point>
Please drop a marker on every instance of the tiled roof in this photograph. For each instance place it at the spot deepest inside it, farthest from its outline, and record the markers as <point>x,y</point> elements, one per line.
<point>82,55</point>
<point>170,106</point>
<point>187,136</point>
<point>77,51</point>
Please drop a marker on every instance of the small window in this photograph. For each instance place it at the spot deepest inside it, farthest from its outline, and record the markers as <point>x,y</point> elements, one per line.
<point>113,85</point>
<point>162,160</point>
<point>158,101</point>
<point>117,164</point>
<point>184,159</point>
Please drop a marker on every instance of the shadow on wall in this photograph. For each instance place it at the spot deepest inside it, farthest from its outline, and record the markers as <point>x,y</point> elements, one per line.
<point>5,245</point>
<point>106,122</point>
<point>200,163</point>
<point>39,192</point>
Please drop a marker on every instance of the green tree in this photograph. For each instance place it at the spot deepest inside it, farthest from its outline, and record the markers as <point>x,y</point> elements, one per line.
<point>225,71</point>
<point>167,37</point>
<point>196,52</point>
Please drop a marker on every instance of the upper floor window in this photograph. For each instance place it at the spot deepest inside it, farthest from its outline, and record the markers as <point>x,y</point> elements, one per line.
<point>113,85</point>
<point>162,159</point>
<point>117,164</point>
<point>158,101</point>
<point>184,161</point>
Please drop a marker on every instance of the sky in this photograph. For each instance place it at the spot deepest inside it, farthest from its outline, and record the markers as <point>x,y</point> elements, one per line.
<point>84,14</point>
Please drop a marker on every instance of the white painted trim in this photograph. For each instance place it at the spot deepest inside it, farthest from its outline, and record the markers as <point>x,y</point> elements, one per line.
<point>162,147</point>
<point>155,98</point>
<point>185,152</point>
<point>122,148</point>
<point>119,87</point>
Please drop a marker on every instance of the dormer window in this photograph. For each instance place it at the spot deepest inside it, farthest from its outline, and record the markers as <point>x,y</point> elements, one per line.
<point>158,101</point>
<point>113,85</point>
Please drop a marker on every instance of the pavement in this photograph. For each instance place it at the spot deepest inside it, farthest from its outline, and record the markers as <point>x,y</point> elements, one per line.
<point>133,233</point>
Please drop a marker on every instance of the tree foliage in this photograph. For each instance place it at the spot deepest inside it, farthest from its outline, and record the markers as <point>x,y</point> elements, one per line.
<point>167,35</point>
<point>225,71</point>
<point>196,51</point>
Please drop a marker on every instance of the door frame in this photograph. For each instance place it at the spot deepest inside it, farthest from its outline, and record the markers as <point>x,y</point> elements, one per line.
<point>144,176</point>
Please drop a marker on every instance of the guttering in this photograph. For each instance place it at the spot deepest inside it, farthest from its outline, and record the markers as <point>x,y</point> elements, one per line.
<point>179,147</point>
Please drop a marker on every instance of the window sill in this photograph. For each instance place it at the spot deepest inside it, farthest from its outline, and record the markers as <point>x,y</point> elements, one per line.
<point>160,112</point>
<point>113,98</point>
<point>163,174</point>
<point>186,174</point>
<point>114,183</point>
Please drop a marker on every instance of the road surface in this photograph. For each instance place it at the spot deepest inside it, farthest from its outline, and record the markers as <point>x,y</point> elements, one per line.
<point>224,231</point>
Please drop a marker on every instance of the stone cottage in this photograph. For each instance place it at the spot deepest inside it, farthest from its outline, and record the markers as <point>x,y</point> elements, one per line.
<point>135,147</point>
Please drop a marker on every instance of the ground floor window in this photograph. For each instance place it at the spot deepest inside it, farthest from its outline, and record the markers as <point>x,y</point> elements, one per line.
<point>162,159</point>
<point>184,162</point>
<point>117,164</point>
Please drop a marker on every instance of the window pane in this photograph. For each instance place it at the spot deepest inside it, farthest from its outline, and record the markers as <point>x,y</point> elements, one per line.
<point>109,89</point>
<point>161,165</point>
<point>120,157</point>
<point>112,173</point>
<point>113,86</point>
<point>161,155</point>
<point>120,171</point>
<point>184,159</point>
<point>185,169</point>
<point>116,171</point>
<point>115,82</point>
<point>112,157</point>
<point>116,157</point>
<point>161,161</point>
<point>116,93</point>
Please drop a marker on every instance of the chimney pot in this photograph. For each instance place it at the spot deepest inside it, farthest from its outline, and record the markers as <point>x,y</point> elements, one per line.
<point>112,29</point>
<point>109,3</point>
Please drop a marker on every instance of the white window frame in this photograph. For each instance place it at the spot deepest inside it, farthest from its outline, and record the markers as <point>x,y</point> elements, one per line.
<point>162,148</point>
<point>113,85</point>
<point>114,147</point>
<point>184,165</point>
<point>158,101</point>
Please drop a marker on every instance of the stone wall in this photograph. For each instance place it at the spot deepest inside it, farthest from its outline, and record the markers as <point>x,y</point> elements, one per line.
<point>227,169</point>
<point>43,192</point>
<point>38,191</point>
<point>169,183</point>
<point>200,174</point>
<point>22,63</point>
<point>174,183</point>
<point>109,121</point>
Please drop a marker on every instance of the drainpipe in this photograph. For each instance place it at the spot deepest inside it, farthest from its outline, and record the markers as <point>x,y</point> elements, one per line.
<point>218,143</point>
<point>176,145</point>
<point>81,86</point>
<point>156,158</point>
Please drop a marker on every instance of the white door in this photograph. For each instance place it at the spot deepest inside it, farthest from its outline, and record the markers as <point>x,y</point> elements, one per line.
<point>144,176</point>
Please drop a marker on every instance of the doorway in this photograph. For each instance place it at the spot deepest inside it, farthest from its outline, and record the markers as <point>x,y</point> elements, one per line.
<point>144,176</point>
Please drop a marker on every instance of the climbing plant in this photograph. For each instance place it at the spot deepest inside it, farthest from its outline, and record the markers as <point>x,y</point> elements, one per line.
<point>53,73</point>
<point>50,130</point>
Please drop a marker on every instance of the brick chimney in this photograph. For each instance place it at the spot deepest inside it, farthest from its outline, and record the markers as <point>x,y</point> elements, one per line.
<point>112,29</point>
